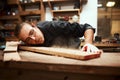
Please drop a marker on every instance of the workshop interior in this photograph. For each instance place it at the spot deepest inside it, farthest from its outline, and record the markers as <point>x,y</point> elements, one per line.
<point>22,62</point>
<point>106,23</point>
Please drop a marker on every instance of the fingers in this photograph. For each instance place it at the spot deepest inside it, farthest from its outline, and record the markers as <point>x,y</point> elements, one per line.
<point>91,48</point>
<point>84,48</point>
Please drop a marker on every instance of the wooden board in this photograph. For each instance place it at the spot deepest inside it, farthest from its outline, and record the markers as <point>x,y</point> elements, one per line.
<point>10,51</point>
<point>11,46</point>
<point>69,53</point>
<point>11,56</point>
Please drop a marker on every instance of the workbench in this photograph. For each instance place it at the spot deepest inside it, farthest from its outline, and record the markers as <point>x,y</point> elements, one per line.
<point>106,47</point>
<point>34,66</point>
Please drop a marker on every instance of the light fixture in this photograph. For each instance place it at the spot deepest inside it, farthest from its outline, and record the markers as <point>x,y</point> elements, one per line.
<point>110,4</point>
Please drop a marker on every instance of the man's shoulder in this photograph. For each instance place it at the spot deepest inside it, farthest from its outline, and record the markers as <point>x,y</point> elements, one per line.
<point>43,22</point>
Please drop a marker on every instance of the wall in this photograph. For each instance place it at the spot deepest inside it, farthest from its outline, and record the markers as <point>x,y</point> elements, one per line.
<point>108,22</point>
<point>48,15</point>
<point>103,27</point>
<point>115,27</point>
<point>89,14</point>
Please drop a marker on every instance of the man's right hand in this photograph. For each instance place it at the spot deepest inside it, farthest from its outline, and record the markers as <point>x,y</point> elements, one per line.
<point>91,48</point>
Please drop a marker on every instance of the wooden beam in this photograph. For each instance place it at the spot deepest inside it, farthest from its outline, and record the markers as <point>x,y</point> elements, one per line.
<point>69,53</point>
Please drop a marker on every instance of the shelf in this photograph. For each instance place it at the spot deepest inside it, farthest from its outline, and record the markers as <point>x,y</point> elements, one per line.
<point>64,9</point>
<point>23,12</point>
<point>34,12</point>
<point>67,10</point>
<point>54,1</point>
<point>57,0</point>
<point>30,3</point>
<point>31,9</point>
<point>12,2</point>
<point>66,13</point>
<point>9,17</point>
<point>7,29</point>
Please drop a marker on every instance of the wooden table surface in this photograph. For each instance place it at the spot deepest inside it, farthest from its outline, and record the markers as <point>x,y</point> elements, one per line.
<point>107,63</point>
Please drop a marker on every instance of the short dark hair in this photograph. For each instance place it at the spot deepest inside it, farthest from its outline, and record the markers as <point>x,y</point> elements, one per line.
<point>18,29</point>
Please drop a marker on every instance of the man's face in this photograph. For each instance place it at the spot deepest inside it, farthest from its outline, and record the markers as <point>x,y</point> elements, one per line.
<point>31,35</point>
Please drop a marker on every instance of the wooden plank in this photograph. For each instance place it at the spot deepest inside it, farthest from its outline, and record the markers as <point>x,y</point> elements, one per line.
<point>10,51</point>
<point>11,56</point>
<point>11,46</point>
<point>15,17</point>
<point>69,53</point>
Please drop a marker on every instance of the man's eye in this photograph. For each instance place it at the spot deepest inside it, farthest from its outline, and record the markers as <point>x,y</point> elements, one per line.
<point>31,32</point>
<point>27,40</point>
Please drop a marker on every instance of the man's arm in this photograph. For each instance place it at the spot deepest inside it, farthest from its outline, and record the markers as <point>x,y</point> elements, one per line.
<point>88,47</point>
<point>88,35</point>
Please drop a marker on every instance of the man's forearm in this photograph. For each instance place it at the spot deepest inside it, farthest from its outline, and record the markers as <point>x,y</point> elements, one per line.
<point>89,34</point>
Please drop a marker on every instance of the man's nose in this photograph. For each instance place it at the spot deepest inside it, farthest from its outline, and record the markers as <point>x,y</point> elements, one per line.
<point>32,37</point>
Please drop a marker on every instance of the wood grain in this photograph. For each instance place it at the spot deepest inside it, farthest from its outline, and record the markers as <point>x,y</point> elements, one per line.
<point>63,52</point>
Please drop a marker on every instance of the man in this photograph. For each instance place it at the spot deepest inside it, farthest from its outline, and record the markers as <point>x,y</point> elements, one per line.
<point>57,33</point>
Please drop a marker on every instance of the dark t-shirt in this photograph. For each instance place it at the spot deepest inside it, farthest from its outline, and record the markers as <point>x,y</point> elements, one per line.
<point>62,33</point>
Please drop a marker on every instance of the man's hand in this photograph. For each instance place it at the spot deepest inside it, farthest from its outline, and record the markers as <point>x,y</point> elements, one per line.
<point>91,48</point>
